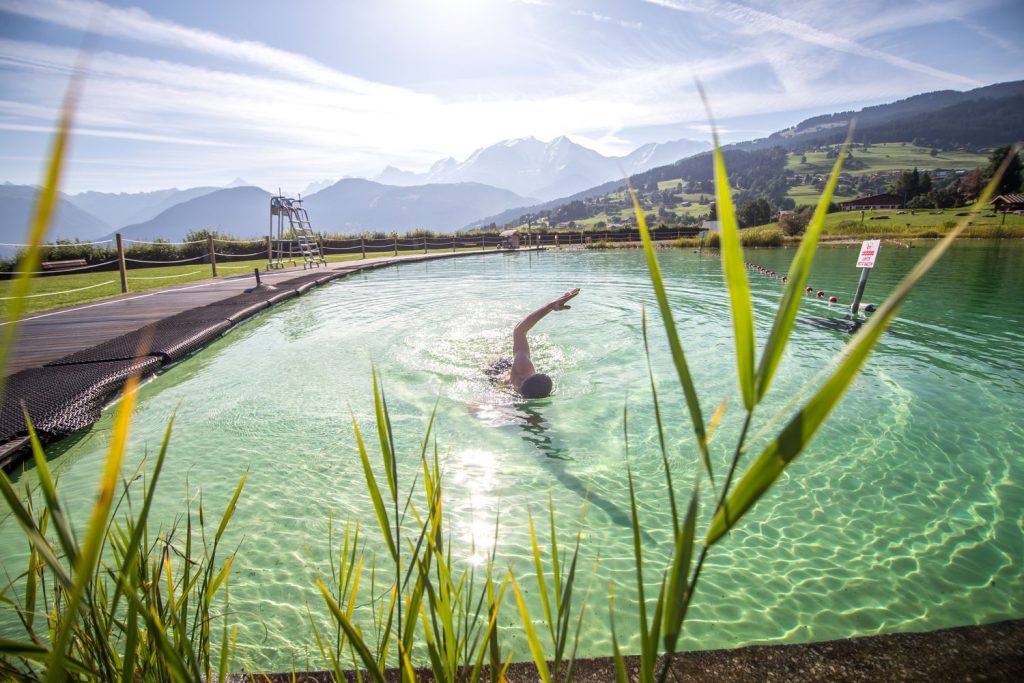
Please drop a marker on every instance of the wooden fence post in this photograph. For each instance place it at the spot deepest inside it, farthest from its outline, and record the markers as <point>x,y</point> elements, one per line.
<point>362,246</point>
<point>424,244</point>
<point>396,245</point>
<point>270,251</point>
<point>121,264</point>
<point>213,255</point>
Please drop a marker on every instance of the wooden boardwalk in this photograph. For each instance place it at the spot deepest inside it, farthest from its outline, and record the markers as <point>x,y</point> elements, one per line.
<point>51,335</point>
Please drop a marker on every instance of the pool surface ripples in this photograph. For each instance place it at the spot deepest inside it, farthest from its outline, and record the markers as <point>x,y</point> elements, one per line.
<point>905,513</point>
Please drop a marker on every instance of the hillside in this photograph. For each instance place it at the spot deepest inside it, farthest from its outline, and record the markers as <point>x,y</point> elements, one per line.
<point>120,209</point>
<point>933,131</point>
<point>948,119</point>
<point>239,211</point>
<point>69,221</point>
<point>348,206</point>
<point>353,205</point>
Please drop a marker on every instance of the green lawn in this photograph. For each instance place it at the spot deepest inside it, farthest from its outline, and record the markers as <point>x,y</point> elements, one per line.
<point>890,156</point>
<point>58,291</point>
<point>920,223</point>
<point>905,221</point>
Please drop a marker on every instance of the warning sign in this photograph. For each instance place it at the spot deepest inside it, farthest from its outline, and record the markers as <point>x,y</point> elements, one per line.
<point>868,252</point>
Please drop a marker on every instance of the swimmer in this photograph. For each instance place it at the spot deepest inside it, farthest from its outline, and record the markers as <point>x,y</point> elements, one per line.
<point>521,373</point>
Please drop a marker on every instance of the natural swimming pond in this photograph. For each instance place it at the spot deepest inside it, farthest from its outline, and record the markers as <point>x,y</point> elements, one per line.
<point>905,513</point>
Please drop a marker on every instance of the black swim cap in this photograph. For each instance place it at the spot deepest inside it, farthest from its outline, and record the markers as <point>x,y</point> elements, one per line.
<point>536,386</point>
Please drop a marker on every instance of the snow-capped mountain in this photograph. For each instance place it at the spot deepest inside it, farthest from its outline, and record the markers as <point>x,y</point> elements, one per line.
<point>547,170</point>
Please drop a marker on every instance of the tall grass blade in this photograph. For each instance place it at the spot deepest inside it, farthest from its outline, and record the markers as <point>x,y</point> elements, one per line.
<point>131,551</point>
<point>46,200</point>
<point>658,423</point>
<point>795,436</point>
<point>374,490</point>
<point>65,535</point>
<point>353,635</point>
<point>793,292</point>
<point>542,584</point>
<point>678,595</point>
<point>95,531</point>
<point>536,649</point>
<point>387,446</point>
<point>230,511</point>
<point>735,270</point>
<point>678,357</point>
<point>620,663</point>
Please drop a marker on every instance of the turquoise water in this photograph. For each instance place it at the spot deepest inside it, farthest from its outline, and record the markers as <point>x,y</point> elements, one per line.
<point>905,513</point>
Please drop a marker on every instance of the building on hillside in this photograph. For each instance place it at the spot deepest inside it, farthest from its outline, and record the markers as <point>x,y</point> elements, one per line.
<point>1008,202</point>
<point>875,201</point>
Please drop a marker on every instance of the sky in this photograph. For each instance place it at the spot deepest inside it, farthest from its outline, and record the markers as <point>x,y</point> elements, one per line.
<point>189,93</point>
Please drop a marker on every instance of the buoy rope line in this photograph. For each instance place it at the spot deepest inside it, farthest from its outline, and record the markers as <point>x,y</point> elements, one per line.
<point>808,290</point>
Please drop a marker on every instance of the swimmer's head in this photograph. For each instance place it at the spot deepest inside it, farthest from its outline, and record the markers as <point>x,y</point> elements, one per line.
<point>536,386</point>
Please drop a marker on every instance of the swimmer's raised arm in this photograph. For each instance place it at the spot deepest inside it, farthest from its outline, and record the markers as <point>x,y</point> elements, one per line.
<point>519,342</point>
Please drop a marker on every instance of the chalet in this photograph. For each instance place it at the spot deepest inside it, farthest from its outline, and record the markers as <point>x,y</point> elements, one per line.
<point>1008,202</point>
<point>875,201</point>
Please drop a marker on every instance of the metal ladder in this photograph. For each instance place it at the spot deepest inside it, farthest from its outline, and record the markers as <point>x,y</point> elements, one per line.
<point>304,236</point>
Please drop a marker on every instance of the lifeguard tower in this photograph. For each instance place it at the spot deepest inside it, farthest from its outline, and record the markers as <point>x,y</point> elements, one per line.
<point>294,235</point>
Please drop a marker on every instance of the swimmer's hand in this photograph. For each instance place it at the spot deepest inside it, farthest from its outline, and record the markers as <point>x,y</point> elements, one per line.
<point>560,304</point>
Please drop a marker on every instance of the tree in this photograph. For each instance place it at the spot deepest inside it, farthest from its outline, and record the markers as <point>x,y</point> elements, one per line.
<point>754,212</point>
<point>925,185</point>
<point>1014,174</point>
<point>795,223</point>
<point>971,184</point>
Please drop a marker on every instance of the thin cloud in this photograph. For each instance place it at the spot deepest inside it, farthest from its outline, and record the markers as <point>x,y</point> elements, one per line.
<point>116,134</point>
<point>748,17</point>
<point>137,24</point>
<point>604,19</point>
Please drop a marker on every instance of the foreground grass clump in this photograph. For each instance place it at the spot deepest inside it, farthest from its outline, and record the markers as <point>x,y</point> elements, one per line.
<point>125,604</point>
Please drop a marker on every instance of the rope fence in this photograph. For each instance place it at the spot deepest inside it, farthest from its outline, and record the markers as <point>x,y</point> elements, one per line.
<point>126,252</point>
<point>62,270</point>
<point>173,244</point>
<point>164,277</point>
<point>55,246</point>
<point>238,256</point>
<point>65,291</point>
<point>183,260</point>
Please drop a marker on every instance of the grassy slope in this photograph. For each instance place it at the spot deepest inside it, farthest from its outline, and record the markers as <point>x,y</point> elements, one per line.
<point>891,156</point>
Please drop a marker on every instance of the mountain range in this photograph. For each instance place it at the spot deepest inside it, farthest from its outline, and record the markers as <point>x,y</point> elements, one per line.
<point>545,170</point>
<point>504,181</point>
<point>348,206</point>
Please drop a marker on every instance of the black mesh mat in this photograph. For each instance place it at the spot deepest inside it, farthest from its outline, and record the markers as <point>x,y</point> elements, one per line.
<point>296,282</point>
<point>282,295</point>
<point>64,399</point>
<point>236,311</point>
<point>170,339</point>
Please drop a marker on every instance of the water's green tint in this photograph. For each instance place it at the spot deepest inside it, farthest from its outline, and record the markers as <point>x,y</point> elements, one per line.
<point>905,514</point>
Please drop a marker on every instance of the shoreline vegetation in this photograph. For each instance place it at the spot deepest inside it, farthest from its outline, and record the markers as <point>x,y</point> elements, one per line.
<point>110,598</point>
<point>838,228</point>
